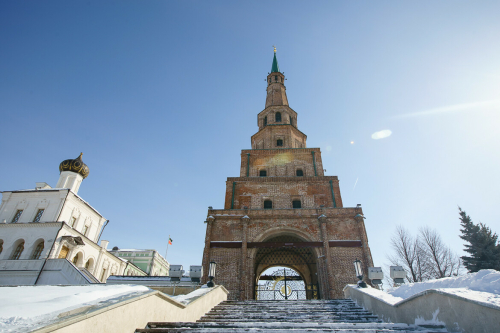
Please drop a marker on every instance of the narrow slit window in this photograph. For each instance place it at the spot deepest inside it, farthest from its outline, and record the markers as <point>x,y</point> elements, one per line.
<point>265,120</point>
<point>278,117</point>
<point>38,215</point>
<point>296,204</point>
<point>16,217</point>
<point>263,173</point>
<point>300,173</point>
<point>291,121</point>
<point>268,204</point>
<point>279,143</point>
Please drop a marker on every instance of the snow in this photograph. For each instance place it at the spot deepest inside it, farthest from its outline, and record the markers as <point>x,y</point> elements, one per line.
<point>25,308</point>
<point>188,298</point>
<point>486,280</point>
<point>482,287</point>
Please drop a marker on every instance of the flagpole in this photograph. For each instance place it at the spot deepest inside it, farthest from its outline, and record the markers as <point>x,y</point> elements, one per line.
<point>166,252</point>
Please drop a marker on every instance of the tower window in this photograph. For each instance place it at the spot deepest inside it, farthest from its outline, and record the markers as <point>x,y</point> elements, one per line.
<point>296,204</point>
<point>38,215</point>
<point>279,143</point>
<point>276,78</point>
<point>265,120</point>
<point>268,204</point>
<point>16,217</point>
<point>18,251</point>
<point>291,121</point>
<point>278,117</point>
<point>263,173</point>
<point>300,173</point>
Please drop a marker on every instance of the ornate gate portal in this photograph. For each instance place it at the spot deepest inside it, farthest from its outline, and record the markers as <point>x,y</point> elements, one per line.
<point>284,284</point>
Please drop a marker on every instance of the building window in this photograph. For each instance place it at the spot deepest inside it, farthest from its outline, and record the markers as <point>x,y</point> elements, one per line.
<point>38,215</point>
<point>85,230</point>
<point>268,204</point>
<point>18,251</point>
<point>278,117</point>
<point>276,78</point>
<point>291,121</point>
<point>265,120</point>
<point>296,204</point>
<point>87,264</point>
<point>279,143</point>
<point>17,216</point>
<point>1,246</point>
<point>38,251</point>
<point>75,260</point>
<point>300,173</point>
<point>263,173</point>
<point>73,222</point>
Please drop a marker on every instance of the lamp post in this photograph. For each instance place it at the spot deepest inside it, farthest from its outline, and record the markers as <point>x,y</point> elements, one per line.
<point>359,273</point>
<point>211,274</point>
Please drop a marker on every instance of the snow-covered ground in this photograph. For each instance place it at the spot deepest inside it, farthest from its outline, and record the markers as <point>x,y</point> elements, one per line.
<point>483,287</point>
<point>188,298</point>
<point>26,308</point>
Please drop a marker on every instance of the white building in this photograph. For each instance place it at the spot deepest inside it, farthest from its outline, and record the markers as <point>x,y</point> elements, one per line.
<point>150,261</point>
<point>49,235</point>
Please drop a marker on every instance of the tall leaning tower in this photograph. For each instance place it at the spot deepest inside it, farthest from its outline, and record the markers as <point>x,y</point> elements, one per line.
<point>282,211</point>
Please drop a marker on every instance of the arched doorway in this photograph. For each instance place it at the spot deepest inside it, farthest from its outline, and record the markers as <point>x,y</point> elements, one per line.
<point>283,257</point>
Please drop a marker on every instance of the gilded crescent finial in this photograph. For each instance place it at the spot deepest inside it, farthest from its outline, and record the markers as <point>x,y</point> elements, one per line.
<point>274,48</point>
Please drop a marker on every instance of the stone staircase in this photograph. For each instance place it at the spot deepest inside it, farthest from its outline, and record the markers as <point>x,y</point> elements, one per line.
<point>341,315</point>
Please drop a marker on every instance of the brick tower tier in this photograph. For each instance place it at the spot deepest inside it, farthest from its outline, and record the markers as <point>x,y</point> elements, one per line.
<point>282,211</point>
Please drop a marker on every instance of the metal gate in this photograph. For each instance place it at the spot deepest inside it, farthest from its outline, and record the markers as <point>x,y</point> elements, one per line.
<point>284,284</point>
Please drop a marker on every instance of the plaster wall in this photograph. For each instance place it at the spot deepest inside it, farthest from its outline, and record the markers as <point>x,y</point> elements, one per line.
<point>11,234</point>
<point>457,313</point>
<point>128,315</point>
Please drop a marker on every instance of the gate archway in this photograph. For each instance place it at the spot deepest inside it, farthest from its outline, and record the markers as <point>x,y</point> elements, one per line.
<point>302,260</point>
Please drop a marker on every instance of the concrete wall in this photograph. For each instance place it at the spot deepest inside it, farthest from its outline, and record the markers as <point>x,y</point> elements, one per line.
<point>128,315</point>
<point>457,313</point>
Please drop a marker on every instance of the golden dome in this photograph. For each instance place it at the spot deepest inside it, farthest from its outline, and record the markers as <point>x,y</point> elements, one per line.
<point>75,165</point>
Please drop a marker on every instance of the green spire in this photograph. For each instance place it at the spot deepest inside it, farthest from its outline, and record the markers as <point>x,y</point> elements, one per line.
<point>276,68</point>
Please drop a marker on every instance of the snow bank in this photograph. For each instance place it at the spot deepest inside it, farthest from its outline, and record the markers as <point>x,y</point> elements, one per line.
<point>486,280</point>
<point>188,298</point>
<point>26,308</point>
<point>483,287</point>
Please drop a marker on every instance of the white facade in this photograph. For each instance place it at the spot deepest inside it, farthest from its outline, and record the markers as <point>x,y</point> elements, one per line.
<point>149,261</point>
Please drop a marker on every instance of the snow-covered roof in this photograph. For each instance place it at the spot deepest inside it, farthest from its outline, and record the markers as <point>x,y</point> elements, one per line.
<point>26,308</point>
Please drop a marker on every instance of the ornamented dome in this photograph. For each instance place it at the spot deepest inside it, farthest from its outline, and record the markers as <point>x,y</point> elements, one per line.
<point>75,165</point>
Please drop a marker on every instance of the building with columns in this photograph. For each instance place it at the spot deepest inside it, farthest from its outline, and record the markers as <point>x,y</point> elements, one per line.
<point>50,235</point>
<point>283,211</point>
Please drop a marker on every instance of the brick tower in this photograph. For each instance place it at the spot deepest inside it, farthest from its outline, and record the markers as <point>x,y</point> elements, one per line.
<point>282,211</point>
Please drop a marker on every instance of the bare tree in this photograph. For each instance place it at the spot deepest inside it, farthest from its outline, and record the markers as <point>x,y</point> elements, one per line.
<point>441,261</point>
<point>407,254</point>
<point>424,257</point>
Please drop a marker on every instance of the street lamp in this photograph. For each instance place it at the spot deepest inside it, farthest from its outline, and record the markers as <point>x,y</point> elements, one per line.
<point>359,273</point>
<point>211,274</point>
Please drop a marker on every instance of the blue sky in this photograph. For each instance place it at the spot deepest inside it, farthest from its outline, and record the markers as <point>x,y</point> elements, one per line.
<point>161,97</point>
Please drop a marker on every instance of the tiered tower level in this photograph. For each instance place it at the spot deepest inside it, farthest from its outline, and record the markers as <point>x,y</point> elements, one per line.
<point>283,211</point>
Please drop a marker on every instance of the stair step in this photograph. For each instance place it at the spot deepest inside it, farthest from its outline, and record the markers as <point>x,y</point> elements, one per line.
<point>327,325</point>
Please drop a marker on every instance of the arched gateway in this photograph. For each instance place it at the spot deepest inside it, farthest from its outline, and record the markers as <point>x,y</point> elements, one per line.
<point>283,212</point>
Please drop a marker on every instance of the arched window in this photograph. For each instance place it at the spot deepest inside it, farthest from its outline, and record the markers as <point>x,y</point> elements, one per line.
<point>268,204</point>
<point>38,251</point>
<point>279,143</point>
<point>263,173</point>
<point>18,251</point>
<point>278,117</point>
<point>265,121</point>
<point>296,204</point>
<point>87,264</point>
<point>300,173</point>
<point>75,260</point>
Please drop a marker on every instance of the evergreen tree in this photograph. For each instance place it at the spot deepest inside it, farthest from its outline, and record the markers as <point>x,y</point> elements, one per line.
<point>483,248</point>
